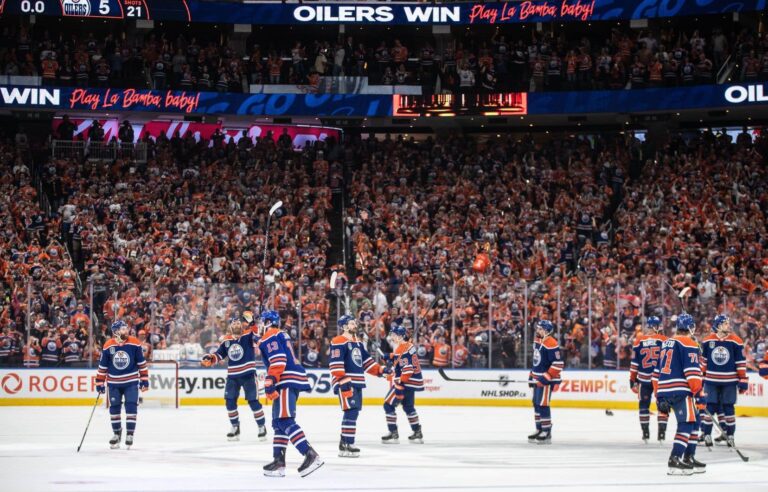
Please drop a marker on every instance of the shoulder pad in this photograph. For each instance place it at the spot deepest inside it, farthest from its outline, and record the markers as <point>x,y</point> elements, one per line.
<point>710,338</point>
<point>133,340</point>
<point>339,340</point>
<point>109,343</point>
<point>550,343</point>
<point>686,342</point>
<point>735,338</point>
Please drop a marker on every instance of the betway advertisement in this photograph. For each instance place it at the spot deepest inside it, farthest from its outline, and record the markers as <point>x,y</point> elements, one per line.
<point>580,389</point>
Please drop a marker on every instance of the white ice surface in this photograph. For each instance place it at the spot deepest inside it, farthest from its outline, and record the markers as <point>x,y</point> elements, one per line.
<point>465,448</point>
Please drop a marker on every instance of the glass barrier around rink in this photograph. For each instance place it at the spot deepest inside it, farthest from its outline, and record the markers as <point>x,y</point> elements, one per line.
<point>475,321</point>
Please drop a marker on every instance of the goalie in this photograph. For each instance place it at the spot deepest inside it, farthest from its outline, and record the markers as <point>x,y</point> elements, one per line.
<point>239,348</point>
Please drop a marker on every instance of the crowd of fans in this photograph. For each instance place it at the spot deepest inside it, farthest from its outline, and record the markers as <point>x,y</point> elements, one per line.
<point>509,58</point>
<point>466,241</point>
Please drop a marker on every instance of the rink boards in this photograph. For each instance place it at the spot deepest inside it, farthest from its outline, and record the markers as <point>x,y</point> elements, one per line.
<point>580,389</point>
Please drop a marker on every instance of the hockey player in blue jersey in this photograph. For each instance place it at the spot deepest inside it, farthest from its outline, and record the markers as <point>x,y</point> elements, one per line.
<point>725,372</point>
<point>677,384</point>
<point>239,348</point>
<point>349,362</point>
<point>645,356</point>
<point>285,380</point>
<point>406,380</point>
<point>123,370</point>
<point>544,378</point>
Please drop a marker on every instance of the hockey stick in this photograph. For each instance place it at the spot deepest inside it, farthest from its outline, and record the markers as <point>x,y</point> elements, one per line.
<point>717,424</point>
<point>459,380</point>
<point>88,425</point>
<point>272,211</point>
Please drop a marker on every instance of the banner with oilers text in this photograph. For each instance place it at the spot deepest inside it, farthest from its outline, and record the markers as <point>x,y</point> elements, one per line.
<point>579,389</point>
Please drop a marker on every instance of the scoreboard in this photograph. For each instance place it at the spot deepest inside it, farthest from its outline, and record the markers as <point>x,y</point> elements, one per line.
<point>100,9</point>
<point>395,13</point>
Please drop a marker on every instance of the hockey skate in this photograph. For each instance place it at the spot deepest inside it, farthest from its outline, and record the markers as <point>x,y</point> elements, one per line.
<point>114,443</point>
<point>416,438</point>
<point>696,465</point>
<point>545,437</point>
<point>707,441</point>
<point>532,437</point>
<point>311,463</point>
<point>347,450</point>
<point>262,433</point>
<point>721,440</point>
<point>277,467</point>
<point>391,438</point>
<point>646,433</point>
<point>676,466</point>
<point>730,442</point>
<point>129,441</point>
<point>234,433</point>
<point>662,436</point>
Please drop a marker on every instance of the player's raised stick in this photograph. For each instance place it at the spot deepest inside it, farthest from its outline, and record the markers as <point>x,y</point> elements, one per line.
<point>88,425</point>
<point>272,211</point>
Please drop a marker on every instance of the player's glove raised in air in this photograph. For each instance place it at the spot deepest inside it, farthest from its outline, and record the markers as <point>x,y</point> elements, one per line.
<point>345,388</point>
<point>634,386</point>
<point>743,386</point>
<point>270,387</point>
<point>144,385</point>
<point>385,371</point>
<point>663,406</point>
<point>100,388</point>
<point>207,360</point>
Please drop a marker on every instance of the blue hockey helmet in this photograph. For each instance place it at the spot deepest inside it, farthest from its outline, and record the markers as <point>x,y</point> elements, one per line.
<point>344,320</point>
<point>653,322</point>
<point>545,325</point>
<point>398,329</point>
<point>117,326</point>
<point>270,318</point>
<point>719,320</point>
<point>685,322</point>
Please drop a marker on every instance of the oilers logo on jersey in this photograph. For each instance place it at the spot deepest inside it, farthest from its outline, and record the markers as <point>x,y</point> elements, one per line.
<point>720,356</point>
<point>357,357</point>
<point>51,346</point>
<point>235,352</point>
<point>121,359</point>
<point>536,357</point>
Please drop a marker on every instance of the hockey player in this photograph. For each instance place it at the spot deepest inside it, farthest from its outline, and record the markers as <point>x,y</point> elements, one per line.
<point>349,362</point>
<point>239,348</point>
<point>764,366</point>
<point>725,370</point>
<point>123,369</point>
<point>645,356</point>
<point>544,377</point>
<point>676,383</point>
<point>285,379</point>
<point>405,381</point>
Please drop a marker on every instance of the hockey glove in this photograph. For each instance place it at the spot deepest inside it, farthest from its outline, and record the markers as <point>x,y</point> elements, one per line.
<point>207,360</point>
<point>701,402</point>
<point>144,385</point>
<point>541,381</point>
<point>663,406</point>
<point>270,387</point>
<point>100,388</point>
<point>743,386</point>
<point>634,386</point>
<point>385,371</point>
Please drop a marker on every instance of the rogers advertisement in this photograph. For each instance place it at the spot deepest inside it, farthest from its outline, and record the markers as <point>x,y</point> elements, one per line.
<point>300,135</point>
<point>587,389</point>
